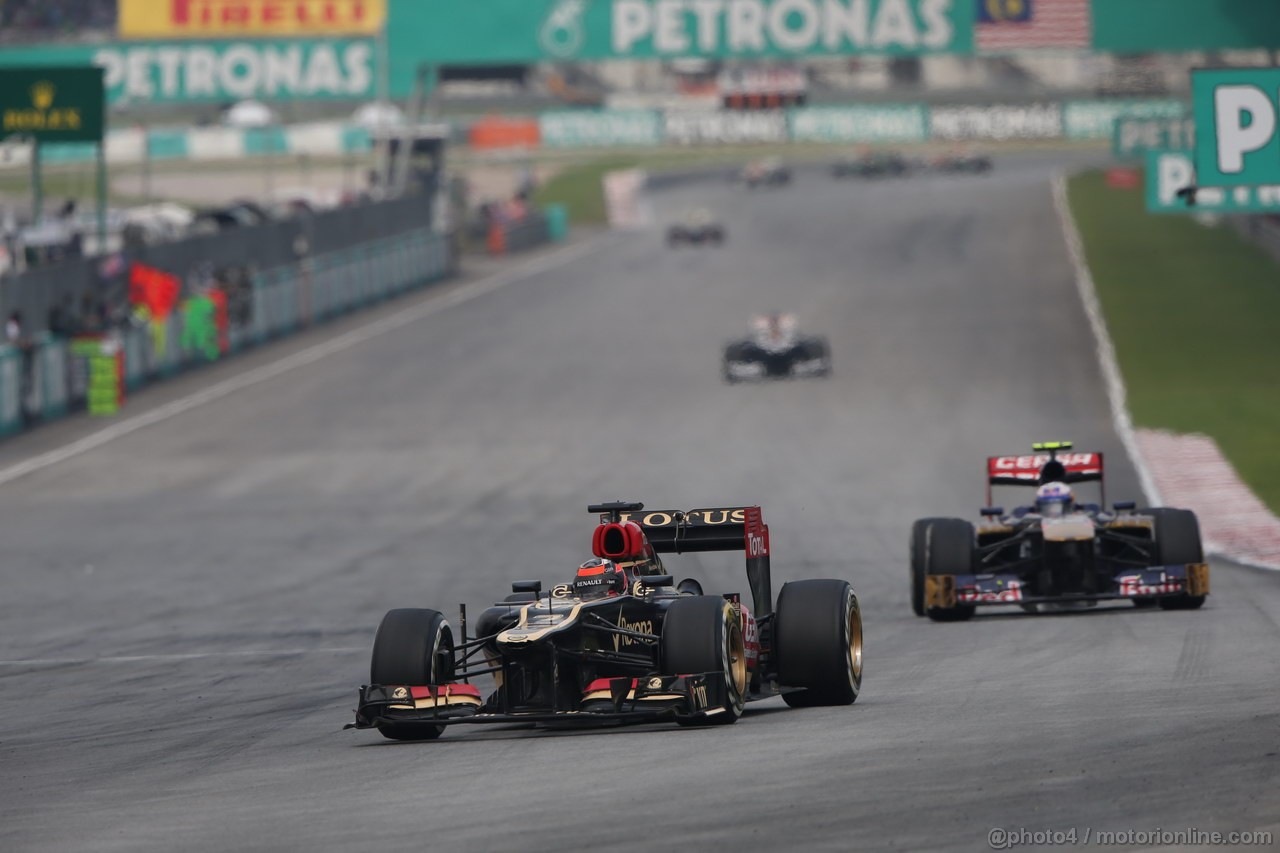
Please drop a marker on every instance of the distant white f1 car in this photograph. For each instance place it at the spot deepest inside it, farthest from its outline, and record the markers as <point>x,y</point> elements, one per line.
<point>697,228</point>
<point>776,350</point>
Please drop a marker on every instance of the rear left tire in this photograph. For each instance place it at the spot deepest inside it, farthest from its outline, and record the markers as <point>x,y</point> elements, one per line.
<point>1177,539</point>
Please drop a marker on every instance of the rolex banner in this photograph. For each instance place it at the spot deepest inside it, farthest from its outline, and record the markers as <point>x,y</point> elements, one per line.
<point>52,104</point>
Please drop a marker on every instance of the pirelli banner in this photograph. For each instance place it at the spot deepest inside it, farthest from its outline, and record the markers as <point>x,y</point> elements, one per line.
<point>211,19</point>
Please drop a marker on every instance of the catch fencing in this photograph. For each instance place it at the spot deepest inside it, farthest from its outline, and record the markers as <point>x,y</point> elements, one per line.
<point>52,375</point>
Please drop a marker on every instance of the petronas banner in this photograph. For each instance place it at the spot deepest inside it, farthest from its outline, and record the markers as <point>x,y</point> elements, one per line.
<point>538,30</point>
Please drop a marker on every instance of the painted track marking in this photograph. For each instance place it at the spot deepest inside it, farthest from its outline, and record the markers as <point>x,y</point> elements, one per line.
<point>179,658</point>
<point>310,355</point>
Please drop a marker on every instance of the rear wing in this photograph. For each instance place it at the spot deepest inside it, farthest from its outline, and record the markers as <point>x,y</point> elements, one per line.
<point>1040,468</point>
<point>735,528</point>
<point>1045,468</point>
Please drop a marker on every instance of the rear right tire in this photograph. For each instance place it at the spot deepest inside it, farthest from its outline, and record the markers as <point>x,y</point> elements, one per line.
<point>948,550</point>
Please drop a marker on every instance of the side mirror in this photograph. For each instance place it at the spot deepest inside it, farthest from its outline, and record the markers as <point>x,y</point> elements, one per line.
<point>534,587</point>
<point>992,511</point>
<point>1124,506</point>
<point>689,586</point>
<point>656,580</point>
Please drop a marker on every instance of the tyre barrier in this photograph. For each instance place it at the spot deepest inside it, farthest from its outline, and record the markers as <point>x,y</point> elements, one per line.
<point>55,375</point>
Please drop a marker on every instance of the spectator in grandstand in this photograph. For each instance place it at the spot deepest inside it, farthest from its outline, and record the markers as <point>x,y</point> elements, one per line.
<point>26,20</point>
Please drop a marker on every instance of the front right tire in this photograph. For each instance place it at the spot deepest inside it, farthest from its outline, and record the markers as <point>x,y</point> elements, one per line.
<point>819,642</point>
<point>413,646</point>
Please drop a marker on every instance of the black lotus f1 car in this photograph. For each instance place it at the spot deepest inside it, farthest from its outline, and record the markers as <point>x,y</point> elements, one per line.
<point>776,350</point>
<point>876,165</point>
<point>1054,556</point>
<point>622,642</point>
<point>963,163</point>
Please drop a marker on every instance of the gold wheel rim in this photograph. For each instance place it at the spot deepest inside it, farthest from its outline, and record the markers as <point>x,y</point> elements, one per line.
<point>737,657</point>
<point>855,641</point>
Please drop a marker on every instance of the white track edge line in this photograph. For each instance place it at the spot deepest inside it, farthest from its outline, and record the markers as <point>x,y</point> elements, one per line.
<point>178,657</point>
<point>301,358</point>
<point>1105,349</point>
<point>1106,352</point>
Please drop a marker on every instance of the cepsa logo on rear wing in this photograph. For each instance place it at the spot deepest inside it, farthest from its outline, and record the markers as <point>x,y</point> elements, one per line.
<point>1025,470</point>
<point>710,529</point>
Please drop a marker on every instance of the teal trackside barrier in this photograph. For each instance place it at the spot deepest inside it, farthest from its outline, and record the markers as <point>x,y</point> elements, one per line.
<point>137,358</point>
<point>10,390</point>
<point>557,222</point>
<point>54,362</point>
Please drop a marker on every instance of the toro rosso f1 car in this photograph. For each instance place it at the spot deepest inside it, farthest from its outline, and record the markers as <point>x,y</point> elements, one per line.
<point>622,642</point>
<point>776,350</point>
<point>1056,553</point>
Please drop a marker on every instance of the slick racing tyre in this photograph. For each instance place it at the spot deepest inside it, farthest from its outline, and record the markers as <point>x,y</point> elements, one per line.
<point>948,550</point>
<point>919,534</point>
<point>1177,539</point>
<point>412,647</point>
<point>702,634</point>
<point>819,642</point>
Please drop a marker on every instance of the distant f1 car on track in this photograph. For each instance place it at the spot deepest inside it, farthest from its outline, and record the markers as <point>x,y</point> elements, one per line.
<point>776,350</point>
<point>1056,553</point>
<point>770,172</point>
<point>883,164</point>
<point>962,162</point>
<point>622,642</point>
<point>697,228</point>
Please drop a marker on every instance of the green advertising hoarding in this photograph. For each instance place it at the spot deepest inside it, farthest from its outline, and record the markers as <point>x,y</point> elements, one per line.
<point>1141,26</point>
<point>860,123</point>
<point>184,72</point>
<point>1097,119</point>
<point>1134,136</point>
<point>52,104</point>
<point>479,32</point>
<point>1238,113</point>
<point>1171,171</point>
<point>599,128</point>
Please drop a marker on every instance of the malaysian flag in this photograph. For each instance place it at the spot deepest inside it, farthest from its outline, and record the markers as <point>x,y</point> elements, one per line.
<point>1009,25</point>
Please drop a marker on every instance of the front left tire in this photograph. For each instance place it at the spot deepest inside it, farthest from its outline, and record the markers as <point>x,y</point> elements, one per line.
<point>702,634</point>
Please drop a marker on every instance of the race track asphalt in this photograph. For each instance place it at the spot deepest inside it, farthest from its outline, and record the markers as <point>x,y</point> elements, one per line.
<point>186,612</point>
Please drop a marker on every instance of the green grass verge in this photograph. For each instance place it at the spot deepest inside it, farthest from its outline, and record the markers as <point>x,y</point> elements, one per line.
<point>1194,313</point>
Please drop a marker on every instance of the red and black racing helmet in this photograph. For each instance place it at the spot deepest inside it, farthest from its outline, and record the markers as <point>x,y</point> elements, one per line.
<point>597,578</point>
